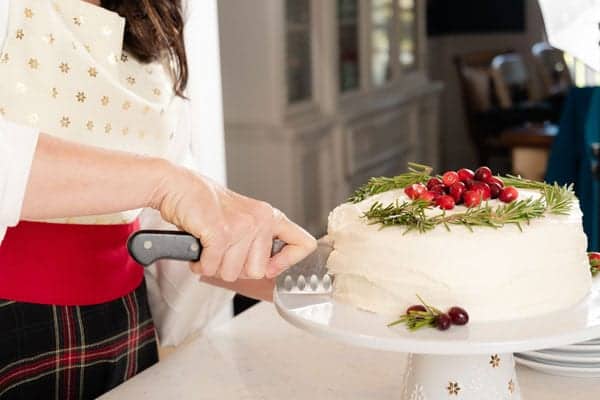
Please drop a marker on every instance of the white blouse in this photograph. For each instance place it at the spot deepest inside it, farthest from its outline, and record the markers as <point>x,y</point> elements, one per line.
<point>17,143</point>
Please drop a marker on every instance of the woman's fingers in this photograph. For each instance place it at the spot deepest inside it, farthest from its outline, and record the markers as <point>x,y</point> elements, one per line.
<point>299,244</point>
<point>235,259</point>
<point>211,258</point>
<point>258,256</point>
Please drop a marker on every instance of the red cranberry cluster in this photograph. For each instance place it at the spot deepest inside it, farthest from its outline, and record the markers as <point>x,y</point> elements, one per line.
<point>462,187</point>
<point>440,320</point>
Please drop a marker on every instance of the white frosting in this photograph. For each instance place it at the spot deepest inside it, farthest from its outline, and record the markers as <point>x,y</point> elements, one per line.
<point>495,274</point>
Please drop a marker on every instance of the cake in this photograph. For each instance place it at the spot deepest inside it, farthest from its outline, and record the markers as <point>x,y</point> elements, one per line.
<point>507,272</point>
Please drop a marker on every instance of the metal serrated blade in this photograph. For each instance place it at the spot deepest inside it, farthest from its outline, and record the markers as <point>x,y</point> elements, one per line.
<point>310,276</point>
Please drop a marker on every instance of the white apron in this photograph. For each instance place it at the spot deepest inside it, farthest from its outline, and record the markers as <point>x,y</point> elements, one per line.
<point>64,71</point>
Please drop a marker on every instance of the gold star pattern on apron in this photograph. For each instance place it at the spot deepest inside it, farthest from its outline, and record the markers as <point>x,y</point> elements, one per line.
<point>63,70</point>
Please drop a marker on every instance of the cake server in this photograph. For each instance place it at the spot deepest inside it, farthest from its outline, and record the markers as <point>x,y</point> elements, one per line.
<point>308,276</point>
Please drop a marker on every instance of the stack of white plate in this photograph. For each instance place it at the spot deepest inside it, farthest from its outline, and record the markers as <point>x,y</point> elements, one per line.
<point>580,360</point>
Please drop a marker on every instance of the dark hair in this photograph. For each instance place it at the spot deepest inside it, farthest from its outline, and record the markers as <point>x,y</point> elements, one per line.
<point>154,28</point>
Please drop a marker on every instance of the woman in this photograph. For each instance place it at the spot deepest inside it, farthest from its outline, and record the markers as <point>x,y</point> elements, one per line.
<point>83,88</point>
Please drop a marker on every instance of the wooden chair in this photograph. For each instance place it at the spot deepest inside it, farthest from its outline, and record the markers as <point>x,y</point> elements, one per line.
<point>512,80</point>
<point>479,98</point>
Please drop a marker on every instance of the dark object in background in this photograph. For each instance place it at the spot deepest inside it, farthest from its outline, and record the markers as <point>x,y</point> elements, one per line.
<point>445,17</point>
<point>242,303</point>
<point>572,158</point>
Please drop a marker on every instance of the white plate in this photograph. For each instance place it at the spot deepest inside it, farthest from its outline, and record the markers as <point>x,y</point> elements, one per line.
<point>566,358</point>
<point>560,370</point>
<point>323,315</point>
<point>578,348</point>
<point>595,342</point>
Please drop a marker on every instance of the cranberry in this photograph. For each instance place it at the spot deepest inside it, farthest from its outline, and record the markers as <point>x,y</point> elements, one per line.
<point>508,194</point>
<point>464,174</point>
<point>484,189</point>
<point>416,308</point>
<point>483,174</point>
<point>458,316</point>
<point>496,180</point>
<point>495,189</point>
<point>431,183</point>
<point>443,322</point>
<point>438,190</point>
<point>472,198</point>
<point>450,178</point>
<point>415,190</point>
<point>456,191</point>
<point>429,196</point>
<point>445,202</point>
<point>469,183</point>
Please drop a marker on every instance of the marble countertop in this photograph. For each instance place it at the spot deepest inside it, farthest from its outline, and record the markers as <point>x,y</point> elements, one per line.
<point>259,356</point>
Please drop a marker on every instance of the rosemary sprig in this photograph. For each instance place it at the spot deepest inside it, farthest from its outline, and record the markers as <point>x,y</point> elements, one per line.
<point>417,174</point>
<point>412,215</point>
<point>559,199</point>
<point>415,320</point>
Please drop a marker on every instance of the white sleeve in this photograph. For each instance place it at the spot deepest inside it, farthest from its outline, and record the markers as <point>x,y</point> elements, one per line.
<point>181,305</point>
<point>17,147</point>
<point>204,87</point>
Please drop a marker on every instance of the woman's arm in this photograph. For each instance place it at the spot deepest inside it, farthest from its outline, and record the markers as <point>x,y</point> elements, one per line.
<point>69,179</point>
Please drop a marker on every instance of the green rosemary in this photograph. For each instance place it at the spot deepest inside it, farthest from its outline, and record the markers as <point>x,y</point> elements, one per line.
<point>415,320</point>
<point>417,174</point>
<point>412,215</point>
<point>554,199</point>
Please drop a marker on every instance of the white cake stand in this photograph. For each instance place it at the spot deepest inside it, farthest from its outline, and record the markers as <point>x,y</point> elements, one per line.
<point>474,362</point>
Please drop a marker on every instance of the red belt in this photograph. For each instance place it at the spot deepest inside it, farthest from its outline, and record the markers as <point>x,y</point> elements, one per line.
<point>67,264</point>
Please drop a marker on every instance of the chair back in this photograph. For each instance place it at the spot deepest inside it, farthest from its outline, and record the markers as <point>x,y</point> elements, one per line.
<point>552,69</point>
<point>512,79</point>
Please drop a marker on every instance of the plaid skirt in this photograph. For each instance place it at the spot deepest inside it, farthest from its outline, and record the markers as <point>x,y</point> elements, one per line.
<point>74,352</point>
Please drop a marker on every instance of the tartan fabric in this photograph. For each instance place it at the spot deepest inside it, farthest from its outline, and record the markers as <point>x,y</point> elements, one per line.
<point>74,352</point>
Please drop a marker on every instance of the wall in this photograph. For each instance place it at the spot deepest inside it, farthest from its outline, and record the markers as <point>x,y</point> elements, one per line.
<point>457,149</point>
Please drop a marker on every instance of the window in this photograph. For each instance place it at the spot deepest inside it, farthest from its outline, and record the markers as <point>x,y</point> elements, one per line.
<point>407,34</point>
<point>298,51</point>
<point>382,23</point>
<point>394,33</point>
<point>349,49</point>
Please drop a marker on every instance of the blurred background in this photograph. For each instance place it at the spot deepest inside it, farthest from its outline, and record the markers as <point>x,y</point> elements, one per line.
<point>320,95</point>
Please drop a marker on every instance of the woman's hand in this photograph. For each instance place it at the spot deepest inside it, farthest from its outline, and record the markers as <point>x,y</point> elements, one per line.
<point>236,232</point>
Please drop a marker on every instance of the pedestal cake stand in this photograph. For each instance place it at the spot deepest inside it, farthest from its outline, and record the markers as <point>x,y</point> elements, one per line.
<point>474,362</point>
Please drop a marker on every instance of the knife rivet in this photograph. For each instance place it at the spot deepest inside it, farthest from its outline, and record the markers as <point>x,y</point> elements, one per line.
<point>147,245</point>
<point>194,247</point>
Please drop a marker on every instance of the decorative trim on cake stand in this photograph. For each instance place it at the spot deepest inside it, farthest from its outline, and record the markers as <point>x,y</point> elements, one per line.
<point>483,377</point>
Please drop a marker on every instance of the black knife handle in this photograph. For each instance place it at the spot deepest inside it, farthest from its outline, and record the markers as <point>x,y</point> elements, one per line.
<point>148,246</point>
